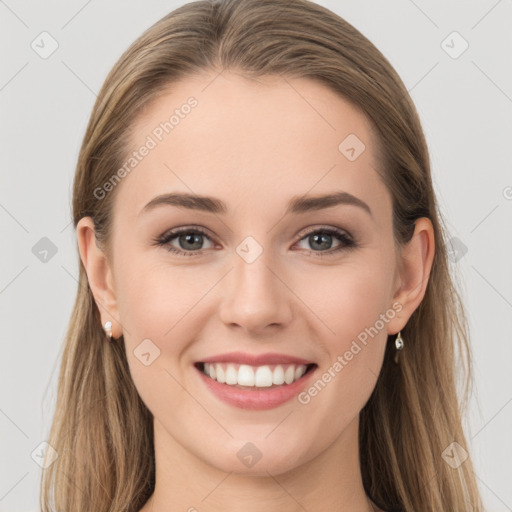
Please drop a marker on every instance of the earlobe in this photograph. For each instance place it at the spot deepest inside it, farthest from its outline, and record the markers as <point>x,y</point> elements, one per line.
<point>98,272</point>
<point>417,257</point>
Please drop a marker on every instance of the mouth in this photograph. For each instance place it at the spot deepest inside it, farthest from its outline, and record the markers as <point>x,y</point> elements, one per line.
<point>255,378</point>
<point>255,388</point>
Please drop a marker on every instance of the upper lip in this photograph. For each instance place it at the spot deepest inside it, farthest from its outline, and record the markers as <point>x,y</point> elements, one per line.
<point>256,360</point>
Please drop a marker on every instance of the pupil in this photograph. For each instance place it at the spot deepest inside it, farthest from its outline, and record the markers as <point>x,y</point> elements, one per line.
<point>326,239</point>
<point>189,238</point>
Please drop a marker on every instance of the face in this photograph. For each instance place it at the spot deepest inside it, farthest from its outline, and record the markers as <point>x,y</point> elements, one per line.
<point>265,274</point>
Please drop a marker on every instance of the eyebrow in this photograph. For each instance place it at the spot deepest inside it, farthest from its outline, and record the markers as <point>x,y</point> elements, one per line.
<point>297,204</point>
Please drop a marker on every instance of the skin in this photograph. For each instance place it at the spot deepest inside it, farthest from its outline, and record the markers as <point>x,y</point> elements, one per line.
<point>255,144</point>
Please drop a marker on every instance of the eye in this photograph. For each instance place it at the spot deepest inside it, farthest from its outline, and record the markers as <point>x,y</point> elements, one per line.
<point>190,241</point>
<point>322,238</point>
<point>188,238</point>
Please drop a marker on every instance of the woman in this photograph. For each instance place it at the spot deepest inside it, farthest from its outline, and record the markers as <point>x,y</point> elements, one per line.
<point>265,318</point>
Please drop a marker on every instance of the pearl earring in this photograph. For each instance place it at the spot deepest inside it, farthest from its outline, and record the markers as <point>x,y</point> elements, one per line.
<point>108,329</point>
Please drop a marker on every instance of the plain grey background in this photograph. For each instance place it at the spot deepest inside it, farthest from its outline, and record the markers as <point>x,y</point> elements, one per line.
<point>464,99</point>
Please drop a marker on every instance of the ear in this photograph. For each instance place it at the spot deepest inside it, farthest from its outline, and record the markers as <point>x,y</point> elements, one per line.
<point>99,274</point>
<point>414,272</point>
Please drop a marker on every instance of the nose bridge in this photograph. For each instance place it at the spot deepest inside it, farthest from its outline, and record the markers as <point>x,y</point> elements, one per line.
<point>254,294</point>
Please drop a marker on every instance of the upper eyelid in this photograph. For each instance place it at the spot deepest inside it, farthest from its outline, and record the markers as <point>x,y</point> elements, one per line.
<point>175,232</point>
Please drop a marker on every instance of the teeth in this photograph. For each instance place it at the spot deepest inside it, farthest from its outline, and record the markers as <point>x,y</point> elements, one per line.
<point>289,375</point>
<point>246,376</point>
<point>278,375</point>
<point>221,376</point>
<point>254,376</point>
<point>231,375</point>
<point>262,378</point>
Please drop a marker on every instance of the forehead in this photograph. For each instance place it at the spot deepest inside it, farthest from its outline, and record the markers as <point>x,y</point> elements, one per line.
<point>249,141</point>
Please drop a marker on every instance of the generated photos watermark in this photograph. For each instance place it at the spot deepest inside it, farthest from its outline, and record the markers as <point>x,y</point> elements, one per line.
<point>156,136</point>
<point>343,360</point>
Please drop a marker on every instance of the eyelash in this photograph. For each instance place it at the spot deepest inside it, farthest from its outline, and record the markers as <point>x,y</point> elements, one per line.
<point>165,239</point>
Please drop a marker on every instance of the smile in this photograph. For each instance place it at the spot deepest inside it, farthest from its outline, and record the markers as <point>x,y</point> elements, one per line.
<point>263,376</point>
<point>255,387</point>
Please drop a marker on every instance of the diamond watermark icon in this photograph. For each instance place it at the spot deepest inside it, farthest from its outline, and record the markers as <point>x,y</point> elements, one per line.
<point>146,352</point>
<point>454,455</point>
<point>44,249</point>
<point>249,455</point>
<point>454,45</point>
<point>249,249</point>
<point>44,455</point>
<point>44,45</point>
<point>456,249</point>
<point>351,147</point>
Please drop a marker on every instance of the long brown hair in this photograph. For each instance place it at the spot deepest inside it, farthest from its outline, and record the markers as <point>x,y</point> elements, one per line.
<point>102,430</point>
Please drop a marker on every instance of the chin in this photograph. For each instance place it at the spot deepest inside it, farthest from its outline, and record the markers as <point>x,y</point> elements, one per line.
<point>251,461</point>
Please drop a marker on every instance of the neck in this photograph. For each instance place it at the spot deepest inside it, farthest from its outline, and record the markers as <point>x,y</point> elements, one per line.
<point>330,481</point>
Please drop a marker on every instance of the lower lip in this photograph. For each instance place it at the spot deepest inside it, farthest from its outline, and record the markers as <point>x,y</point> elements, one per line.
<point>258,398</point>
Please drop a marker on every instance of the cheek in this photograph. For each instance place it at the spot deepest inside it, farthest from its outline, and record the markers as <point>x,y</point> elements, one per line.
<point>349,302</point>
<point>354,338</point>
<point>350,298</point>
<point>153,297</point>
<point>156,305</point>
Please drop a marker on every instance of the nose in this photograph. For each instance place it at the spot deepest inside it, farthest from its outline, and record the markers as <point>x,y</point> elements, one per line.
<point>256,297</point>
